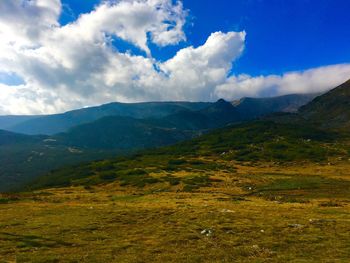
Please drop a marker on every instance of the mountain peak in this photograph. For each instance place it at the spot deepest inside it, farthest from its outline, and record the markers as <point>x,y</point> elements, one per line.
<point>221,101</point>
<point>222,104</point>
<point>347,82</point>
<point>332,109</point>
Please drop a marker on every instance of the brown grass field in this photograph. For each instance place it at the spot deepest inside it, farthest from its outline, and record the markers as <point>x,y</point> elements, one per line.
<point>260,213</point>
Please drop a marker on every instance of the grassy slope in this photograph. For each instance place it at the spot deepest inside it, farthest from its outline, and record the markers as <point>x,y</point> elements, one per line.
<point>267,192</point>
<point>28,157</point>
<point>21,162</point>
<point>260,141</point>
<point>256,214</point>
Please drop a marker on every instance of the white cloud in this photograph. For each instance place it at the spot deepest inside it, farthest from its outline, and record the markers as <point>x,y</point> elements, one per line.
<point>76,65</point>
<point>132,21</point>
<point>24,21</point>
<point>309,81</point>
<point>193,72</point>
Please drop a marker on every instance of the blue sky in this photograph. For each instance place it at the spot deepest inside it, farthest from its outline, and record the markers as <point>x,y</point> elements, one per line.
<point>282,35</point>
<point>58,55</point>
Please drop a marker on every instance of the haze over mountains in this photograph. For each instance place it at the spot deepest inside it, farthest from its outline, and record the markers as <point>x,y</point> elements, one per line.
<point>247,108</point>
<point>255,107</point>
<point>52,124</point>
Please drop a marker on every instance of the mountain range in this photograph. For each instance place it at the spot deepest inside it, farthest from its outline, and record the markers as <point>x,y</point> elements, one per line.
<point>248,108</point>
<point>56,123</point>
<point>43,143</point>
<point>307,135</point>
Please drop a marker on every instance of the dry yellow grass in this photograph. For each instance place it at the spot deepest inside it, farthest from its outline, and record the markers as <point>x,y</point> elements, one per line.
<point>257,214</point>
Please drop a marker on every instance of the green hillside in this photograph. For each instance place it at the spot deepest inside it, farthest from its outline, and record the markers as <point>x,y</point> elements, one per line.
<point>28,156</point>
<point>21,162</point>
<point>281,138</point>
<point>122,133</point>
<point>7,138</point>
<point>331,110</point>
<point>252,142</point>
<point>285,138</point>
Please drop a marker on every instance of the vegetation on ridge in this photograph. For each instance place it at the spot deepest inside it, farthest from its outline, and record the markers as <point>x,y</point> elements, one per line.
<point>254,142</point>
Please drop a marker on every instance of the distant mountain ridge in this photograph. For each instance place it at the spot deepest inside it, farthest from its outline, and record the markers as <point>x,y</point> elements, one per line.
<point>246,109</point>
<point>251,108</point>
<point>9,121</point>
<point>56,123</point>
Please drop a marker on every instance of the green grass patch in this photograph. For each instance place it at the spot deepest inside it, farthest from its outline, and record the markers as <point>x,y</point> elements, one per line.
<point>192,183</point>
<point>300,188</point>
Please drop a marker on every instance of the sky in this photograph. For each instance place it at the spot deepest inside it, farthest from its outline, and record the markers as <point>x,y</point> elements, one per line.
<point>58,55</point>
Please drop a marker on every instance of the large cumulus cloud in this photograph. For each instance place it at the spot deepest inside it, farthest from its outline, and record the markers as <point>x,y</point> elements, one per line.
<point>76,65</point>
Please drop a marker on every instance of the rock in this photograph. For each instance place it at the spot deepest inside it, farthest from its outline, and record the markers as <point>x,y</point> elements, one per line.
<point>295,225</point>
<point>322,221</point>
<point>207,232</point>
<point>227,211</point>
